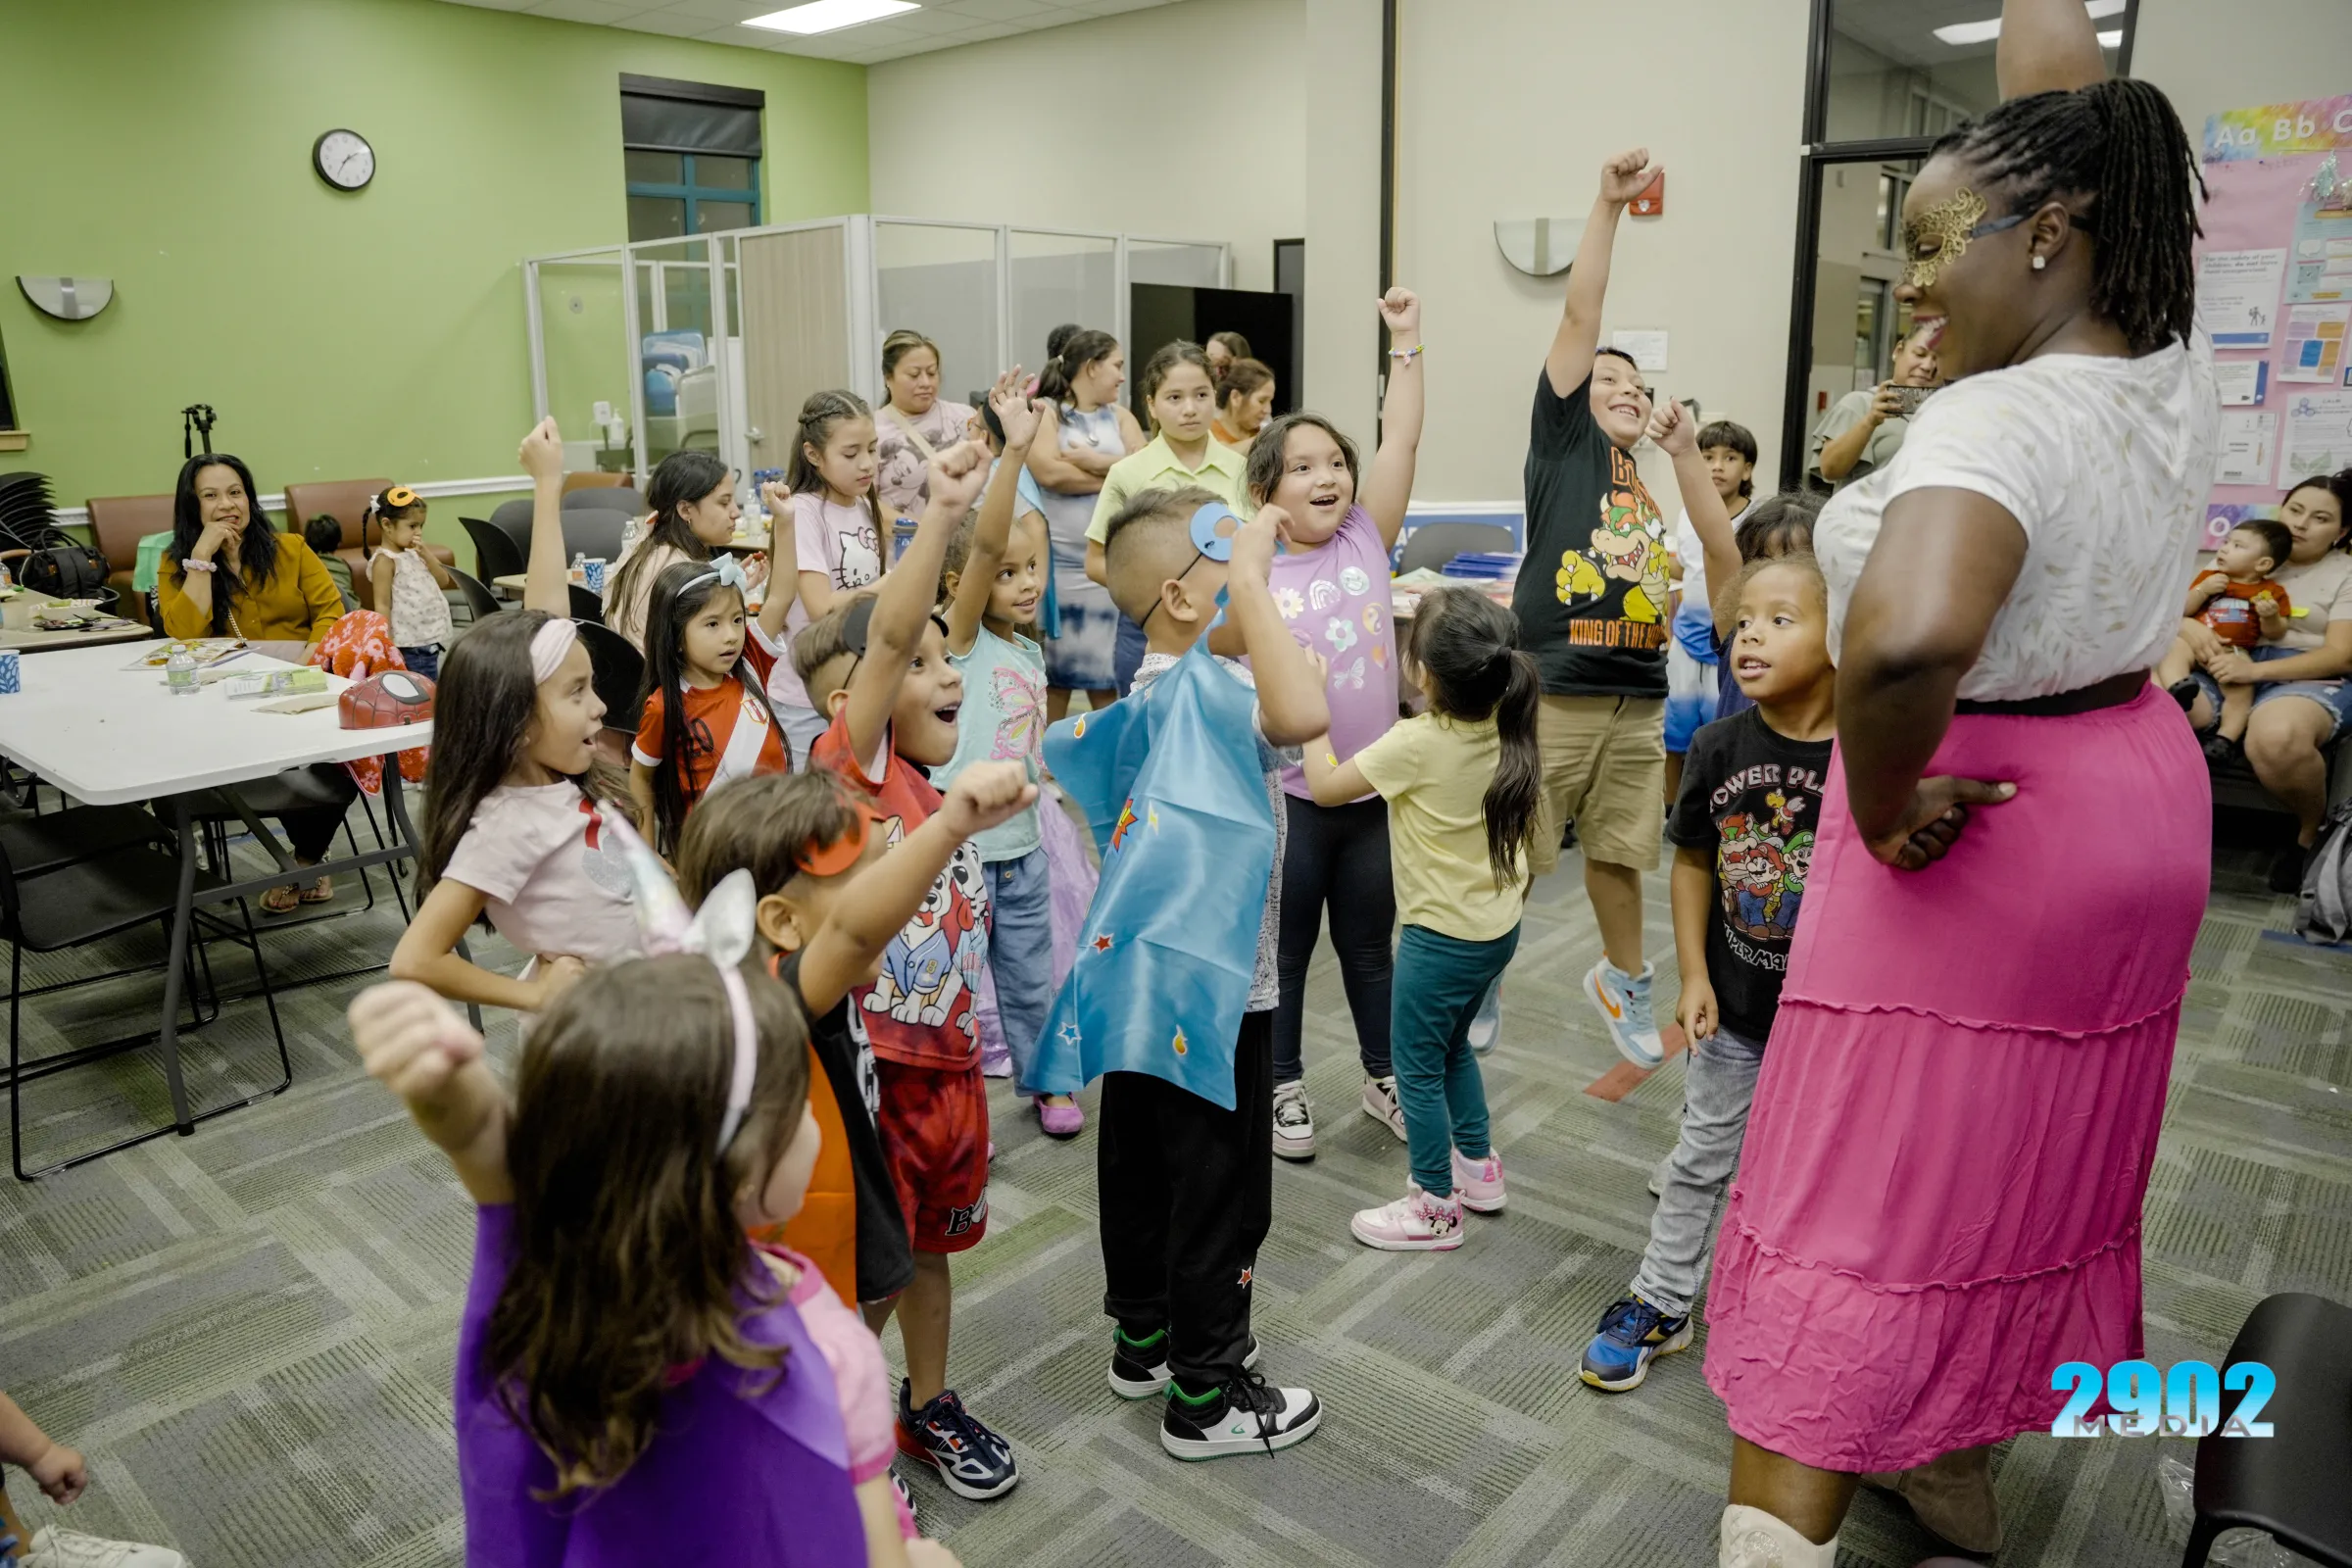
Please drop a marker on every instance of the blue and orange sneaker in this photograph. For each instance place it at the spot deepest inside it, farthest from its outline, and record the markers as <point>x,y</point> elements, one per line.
<point>1623,1001</point>
<point>972,1460</point>
<point>1633,1334</point>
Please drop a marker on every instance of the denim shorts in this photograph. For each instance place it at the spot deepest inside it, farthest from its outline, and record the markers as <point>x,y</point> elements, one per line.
<point>2335,696</point>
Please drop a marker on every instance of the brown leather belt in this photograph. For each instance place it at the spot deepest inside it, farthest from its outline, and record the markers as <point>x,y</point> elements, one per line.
<point>2113,692</point>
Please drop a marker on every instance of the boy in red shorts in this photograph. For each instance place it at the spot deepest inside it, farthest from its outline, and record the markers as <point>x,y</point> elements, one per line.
<point>878,664</point>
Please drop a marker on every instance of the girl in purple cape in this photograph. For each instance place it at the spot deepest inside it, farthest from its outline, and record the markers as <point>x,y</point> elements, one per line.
<point>636,1382</point>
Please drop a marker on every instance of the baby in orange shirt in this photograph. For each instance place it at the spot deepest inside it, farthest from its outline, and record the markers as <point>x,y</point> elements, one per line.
<point>2238,602</point>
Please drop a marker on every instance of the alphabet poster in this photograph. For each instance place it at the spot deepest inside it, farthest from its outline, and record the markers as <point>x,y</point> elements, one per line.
<point>2274,264</point>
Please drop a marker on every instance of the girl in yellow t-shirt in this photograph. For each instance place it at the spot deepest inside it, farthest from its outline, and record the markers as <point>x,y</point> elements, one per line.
<point>1462,782</point>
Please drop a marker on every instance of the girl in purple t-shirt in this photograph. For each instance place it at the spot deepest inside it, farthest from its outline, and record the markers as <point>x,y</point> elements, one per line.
<point>635,1382</point>
<point>1331,587</point>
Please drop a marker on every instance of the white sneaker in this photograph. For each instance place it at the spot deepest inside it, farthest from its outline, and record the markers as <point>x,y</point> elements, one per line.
<point>1754,1538</point>
<point>1480,1183</point>
<point>1623,1001</point>
<point>1245,1416</point>
<point>53,1548</point>
<point>1486,1025</point>
<point>1417,1222</point>
<point>1380,1104</point>
<point>1294,1121</point>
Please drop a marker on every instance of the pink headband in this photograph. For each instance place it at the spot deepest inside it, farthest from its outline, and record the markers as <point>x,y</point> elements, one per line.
<point>549,643</point>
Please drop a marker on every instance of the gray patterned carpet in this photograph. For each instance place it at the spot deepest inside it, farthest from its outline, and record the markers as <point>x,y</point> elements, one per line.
<point>250,1331</point>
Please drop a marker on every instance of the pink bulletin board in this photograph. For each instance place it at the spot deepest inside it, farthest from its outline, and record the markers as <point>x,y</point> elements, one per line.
<point>2275,289</point>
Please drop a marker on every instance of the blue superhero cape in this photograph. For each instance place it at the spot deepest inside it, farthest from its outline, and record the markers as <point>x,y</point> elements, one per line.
<point>1174,792</point>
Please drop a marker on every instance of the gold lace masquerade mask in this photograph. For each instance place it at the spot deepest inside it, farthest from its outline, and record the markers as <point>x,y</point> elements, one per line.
<point>1950,223</point>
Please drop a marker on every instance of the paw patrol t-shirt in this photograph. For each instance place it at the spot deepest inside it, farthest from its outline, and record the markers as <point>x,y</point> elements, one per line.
<point>919,1013</point>
<point>553,883</point>
<point>1591,595</point>
<point>1751,797</point>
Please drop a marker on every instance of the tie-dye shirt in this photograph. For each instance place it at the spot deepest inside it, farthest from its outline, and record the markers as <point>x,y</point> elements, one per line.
<point>1002,720</point>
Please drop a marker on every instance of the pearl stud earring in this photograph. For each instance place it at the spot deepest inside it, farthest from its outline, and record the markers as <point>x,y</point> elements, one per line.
<point>2041,261</point>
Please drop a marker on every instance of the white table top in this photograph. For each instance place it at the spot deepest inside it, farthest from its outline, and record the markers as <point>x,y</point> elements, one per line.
<point>107,735</point>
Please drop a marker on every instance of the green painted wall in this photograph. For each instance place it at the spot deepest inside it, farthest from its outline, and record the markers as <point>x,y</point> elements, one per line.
<point>167,145</point>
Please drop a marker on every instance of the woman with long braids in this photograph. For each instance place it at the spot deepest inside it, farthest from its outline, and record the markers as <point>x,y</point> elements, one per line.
<point>1939,1199</point>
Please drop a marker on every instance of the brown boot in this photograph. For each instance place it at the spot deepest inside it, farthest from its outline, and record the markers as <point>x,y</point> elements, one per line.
<point>1952,1496</point>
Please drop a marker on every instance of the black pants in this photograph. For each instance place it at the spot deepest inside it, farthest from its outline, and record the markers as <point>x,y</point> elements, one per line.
<point>1187,1195</point>
<point>1126,655</point>
<point>311,830</point>
<point>1337,855</point>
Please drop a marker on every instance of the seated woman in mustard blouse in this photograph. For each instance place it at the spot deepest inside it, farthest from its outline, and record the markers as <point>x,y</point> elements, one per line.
<point>228,573</point>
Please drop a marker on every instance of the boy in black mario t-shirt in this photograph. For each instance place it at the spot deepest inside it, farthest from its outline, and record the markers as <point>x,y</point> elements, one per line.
<point>1592,600</point>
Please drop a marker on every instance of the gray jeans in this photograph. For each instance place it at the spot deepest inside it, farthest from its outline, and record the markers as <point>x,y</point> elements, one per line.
<point>1718,1087</point>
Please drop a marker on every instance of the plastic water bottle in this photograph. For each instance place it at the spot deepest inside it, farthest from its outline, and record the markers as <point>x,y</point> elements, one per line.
<point>179,670</point>
<point>6,581</point>
<point>579,568</point>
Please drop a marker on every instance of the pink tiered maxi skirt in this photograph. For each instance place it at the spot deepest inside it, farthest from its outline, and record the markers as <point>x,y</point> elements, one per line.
<point>1940,1198</point>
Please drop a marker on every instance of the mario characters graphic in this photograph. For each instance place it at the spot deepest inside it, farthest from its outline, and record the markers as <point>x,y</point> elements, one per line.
<point>1762,864</point>
<point>1629,547</point>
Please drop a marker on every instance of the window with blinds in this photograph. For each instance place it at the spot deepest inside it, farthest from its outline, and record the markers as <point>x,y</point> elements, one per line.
<point>693,155</point>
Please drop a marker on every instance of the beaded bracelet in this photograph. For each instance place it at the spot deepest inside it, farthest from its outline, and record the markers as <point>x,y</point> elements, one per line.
<point>193,565</point>
<point>1406,354</point>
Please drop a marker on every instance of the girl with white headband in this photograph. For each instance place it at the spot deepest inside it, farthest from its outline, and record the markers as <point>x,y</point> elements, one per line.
<point>518,801</point>
<point>706,717</point>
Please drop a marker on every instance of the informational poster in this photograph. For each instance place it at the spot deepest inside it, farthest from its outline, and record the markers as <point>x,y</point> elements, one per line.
<point>2242,383</point>
<point>2318,435</point>
<point>2237,295</point>
<point>2315,343</point>
<point>2278,178</point>
<point>2250,448</point>
<point>1648,348</point>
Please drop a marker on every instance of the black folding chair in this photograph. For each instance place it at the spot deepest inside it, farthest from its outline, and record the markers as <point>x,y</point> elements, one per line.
<point>2290,1484</point>
<point>87,900</point>
<point>480,602</point>
<point>620,673</point>
<point>494,553</point>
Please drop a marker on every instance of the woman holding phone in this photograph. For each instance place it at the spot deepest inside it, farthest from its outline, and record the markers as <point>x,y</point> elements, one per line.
<point>1863,430</point>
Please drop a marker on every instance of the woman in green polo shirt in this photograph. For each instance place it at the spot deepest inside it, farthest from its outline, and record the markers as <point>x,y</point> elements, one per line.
<point>1182,399</point>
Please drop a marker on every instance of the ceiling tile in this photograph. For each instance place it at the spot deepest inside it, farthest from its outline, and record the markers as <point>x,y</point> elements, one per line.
<point>675,24</point>
<point>1033,12</point>
<point>992,29</point>
<point>604,12</point>
<point>723,13</point>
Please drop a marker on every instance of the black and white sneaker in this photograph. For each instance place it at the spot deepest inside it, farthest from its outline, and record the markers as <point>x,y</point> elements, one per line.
<point>1245,1416</point>
<point>972,1460</point>
<point>1139,1368</point>
<point>898,1484</point>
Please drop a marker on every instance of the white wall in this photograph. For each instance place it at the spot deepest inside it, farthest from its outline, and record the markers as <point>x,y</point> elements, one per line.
<point>1075,128</point>
<point>1510,116</point>
<point>2209,56</point>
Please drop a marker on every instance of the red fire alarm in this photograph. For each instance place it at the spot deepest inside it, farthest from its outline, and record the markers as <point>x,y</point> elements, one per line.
<point>1651,203</point>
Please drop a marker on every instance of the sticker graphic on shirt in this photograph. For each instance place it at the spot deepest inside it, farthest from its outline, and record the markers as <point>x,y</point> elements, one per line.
<point>1762,866</point>
<point>1352,678</point>
<point>1354,581</point>
<point>1021,702</point>
<point>931,968</point>
<point>1323,592</point>
<point>1372,619</point>
<point>1289,602</point>
<point>1340,635</point>
<point>603,867</point>
<point>860,560</point>
<point>1625,559</point>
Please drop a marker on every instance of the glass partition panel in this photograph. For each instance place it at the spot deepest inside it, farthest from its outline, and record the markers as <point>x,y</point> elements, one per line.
<point>1857,323</point>
<point>1060,279</point>
<point>1151,261</point>
<point>941,281</point>
<point>676,356</point>
<point>584,340</point>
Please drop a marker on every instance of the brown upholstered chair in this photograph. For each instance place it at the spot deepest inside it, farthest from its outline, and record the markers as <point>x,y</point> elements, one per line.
<point>346,500</point>
<point>117,525</point>
<point>592,480</point>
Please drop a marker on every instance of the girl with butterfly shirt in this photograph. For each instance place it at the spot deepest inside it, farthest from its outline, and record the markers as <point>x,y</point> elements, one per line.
<point>995,581</point>
<point>706,717</point>
<point>1331,588</point>
<point>516,800</point>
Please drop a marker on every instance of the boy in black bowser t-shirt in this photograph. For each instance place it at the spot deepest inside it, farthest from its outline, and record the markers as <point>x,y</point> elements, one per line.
<point>1742,830</point>
<point>1592,607</point>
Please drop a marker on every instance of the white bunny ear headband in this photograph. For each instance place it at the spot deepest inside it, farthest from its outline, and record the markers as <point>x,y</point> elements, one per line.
<point>722,932</point>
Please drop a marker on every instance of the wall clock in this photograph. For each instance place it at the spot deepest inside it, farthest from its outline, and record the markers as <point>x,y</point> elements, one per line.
<point>343,158</point>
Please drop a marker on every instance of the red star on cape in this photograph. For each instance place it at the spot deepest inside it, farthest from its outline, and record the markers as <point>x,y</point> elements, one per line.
<point>1101,944</point>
